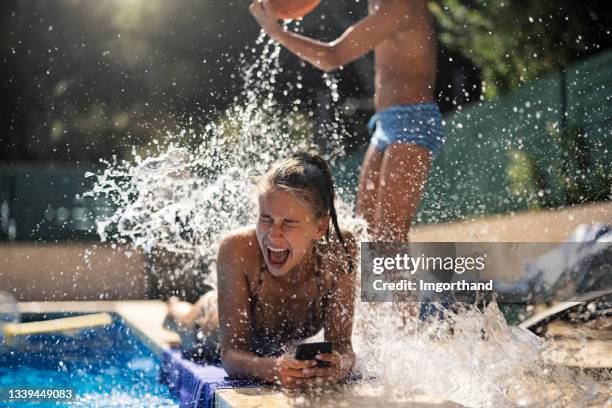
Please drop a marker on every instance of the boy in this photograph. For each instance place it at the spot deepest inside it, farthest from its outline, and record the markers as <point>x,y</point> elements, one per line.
<point>406,129</point>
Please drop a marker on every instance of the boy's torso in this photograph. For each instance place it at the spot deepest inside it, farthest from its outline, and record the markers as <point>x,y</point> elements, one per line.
<point>406,60</point>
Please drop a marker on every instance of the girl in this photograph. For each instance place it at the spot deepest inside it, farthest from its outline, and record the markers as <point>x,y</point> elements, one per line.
<point>284,280</point>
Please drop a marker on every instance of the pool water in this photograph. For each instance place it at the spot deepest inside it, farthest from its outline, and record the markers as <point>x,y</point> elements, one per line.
<point>105,366</point>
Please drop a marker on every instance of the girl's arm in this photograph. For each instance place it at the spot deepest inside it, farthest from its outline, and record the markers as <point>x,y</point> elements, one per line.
<point>235,312</point>
<point>339,324</point>
<point>339,328</point>
<point>353,43</point>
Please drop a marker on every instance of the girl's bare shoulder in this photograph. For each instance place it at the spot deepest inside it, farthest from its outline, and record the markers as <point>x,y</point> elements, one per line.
<point>340,249</point>
<point>241,246</point>
<point>340,258</point>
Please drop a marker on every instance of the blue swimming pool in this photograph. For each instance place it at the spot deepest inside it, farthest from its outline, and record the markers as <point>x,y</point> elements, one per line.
<point>105,366</point>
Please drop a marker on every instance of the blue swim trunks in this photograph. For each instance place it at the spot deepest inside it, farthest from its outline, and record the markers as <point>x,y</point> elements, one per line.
<point>419,124</point>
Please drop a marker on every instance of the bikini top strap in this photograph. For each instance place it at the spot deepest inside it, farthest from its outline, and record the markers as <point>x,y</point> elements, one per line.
<point>255,294</point>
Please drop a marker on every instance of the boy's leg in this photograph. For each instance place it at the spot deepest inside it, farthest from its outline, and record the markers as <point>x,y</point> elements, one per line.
<point>367,195</point>
<point>403,175</point>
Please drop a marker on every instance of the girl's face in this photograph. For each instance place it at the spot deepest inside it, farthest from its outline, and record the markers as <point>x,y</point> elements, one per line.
<point>286,230</point>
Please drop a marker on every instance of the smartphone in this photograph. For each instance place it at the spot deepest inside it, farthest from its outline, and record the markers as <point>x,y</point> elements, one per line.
<point>308,351</point>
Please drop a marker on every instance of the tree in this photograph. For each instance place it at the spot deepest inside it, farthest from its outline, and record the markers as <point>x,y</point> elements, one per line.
<point>515,41</point>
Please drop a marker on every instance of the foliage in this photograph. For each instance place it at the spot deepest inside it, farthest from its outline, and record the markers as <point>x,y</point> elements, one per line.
<point>581,179</point>
<point>515,41</point>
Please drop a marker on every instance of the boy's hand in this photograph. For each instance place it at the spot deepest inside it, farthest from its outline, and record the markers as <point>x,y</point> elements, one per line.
<point>264,16</point>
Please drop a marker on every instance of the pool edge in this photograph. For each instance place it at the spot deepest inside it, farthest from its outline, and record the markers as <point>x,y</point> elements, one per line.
<point>143,317</point>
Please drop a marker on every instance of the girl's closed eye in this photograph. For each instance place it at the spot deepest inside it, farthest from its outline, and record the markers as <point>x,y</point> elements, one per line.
<point>265,218</point>
<point>291,224</point>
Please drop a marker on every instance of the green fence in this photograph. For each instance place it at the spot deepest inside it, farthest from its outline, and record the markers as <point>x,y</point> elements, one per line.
<point>46,204</point>
<point>548,144</point>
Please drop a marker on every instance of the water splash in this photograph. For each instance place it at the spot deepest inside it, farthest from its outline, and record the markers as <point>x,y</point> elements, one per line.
<point>184,200</point>
<point>9,309</point>
<point>471,357</point>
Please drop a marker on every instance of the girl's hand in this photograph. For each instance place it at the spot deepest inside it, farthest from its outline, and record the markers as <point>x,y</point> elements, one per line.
<point>339,367</point>
<point>290,372</point>
<point>264,16</point>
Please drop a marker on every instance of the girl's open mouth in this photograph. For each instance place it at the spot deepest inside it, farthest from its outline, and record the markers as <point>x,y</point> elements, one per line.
<point>277,256</point>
